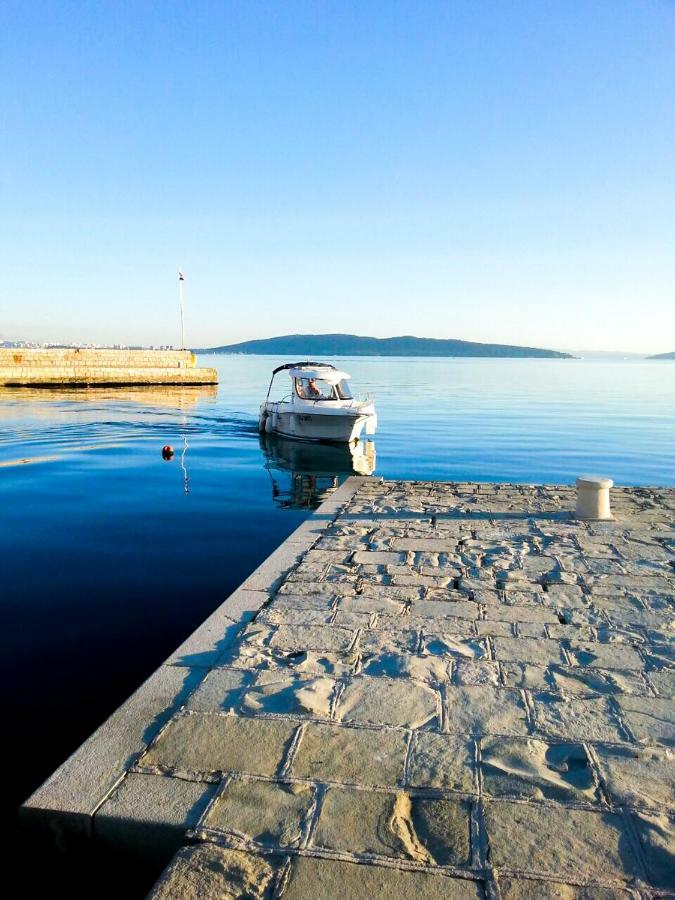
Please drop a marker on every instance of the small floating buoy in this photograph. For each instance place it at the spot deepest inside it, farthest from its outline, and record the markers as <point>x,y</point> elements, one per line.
<point>167,452</point>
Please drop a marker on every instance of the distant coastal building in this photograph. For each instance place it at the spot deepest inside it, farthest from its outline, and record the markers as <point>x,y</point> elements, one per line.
<point>46,345</point>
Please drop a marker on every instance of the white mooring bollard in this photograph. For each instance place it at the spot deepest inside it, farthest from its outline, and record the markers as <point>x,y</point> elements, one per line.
<point>593,498</point>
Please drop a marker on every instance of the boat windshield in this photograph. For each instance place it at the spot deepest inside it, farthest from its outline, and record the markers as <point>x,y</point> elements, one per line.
<point>315,389</point>
<point>343,390</point>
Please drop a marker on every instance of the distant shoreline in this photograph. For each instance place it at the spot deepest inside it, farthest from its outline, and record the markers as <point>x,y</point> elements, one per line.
<point>310,346</point>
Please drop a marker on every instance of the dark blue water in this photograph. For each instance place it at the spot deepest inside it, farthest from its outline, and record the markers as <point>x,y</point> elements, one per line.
<point>110,555</point>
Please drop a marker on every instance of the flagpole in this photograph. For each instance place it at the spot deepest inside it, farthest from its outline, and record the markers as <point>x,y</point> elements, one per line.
<point>181,279</point>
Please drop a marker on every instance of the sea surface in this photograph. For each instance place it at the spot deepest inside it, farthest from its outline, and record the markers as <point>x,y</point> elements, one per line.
<point>111,555</point>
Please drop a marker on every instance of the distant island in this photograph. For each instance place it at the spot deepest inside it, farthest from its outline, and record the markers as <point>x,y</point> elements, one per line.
<point>663,356</point>
<point>313,345</point>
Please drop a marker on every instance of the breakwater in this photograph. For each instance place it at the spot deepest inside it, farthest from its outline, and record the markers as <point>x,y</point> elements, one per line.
<point>83,367</point>
<point>431,689</point>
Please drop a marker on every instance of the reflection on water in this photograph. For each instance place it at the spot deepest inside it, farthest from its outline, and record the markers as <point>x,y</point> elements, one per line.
<point>304,474</point>
<point>76,421</point>
<point>168,455</point>
<point>183,465</point>
<point>13,401</point>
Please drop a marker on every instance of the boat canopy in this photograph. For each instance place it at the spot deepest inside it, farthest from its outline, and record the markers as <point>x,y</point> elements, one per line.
<point>299,365</point>
<point>330,375</point>
<point>324,371</point>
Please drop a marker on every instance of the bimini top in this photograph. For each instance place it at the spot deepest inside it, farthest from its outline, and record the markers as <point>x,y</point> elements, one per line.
<point>329,375</point>
<point>325,371</point>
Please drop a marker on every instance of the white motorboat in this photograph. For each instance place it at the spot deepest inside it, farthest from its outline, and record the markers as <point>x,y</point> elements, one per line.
<point>319,407</point>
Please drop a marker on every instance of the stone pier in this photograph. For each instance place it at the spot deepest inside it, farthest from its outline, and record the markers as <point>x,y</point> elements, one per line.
<point>91,367</point>
<point>428,691</point>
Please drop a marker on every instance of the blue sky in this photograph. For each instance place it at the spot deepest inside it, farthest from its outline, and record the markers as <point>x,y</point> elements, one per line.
<point>479,169</point>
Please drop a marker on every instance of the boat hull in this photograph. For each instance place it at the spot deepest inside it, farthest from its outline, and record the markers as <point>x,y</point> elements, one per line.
<point>306,426</point>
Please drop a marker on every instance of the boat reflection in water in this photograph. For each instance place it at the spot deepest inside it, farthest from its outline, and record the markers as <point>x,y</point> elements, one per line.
<point>303,474</point>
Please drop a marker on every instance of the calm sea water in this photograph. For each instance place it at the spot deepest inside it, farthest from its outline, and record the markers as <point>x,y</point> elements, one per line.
<point>110,555</point>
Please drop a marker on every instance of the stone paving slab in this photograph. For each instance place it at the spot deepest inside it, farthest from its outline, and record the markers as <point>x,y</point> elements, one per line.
<point>435,690</point>
<point>146,815</point>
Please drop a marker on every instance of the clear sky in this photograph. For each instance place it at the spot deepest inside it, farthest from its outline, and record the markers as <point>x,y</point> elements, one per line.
<point>495,170</point>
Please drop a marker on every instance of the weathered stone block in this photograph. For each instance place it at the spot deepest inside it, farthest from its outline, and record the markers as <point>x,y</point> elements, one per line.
<point>378,558</point>
<point>636,776</point>
<point>650,719</point>
<point>255,634</point>
<point>604,656</point>
<point>532,630</point>
<point>352,619</point>
<point>220,691</point>
<point>522,613</point>
<point>530,889</point>
<point>637,586</point>
<point>387,606</point>
<point>267,813</point>
<point>442,761</point>
<point>424,581</point>
<point>282,615</point>
<point>206,742</point>
<point>391,664</point>
<point>310,596</point>
<point>485,710</point>
<point>324,879</point>
<point>564,631</point>
<point>381,701</point>
<point>445,609</point>
<point>425,544</point>
<point>472,672</point>
<point>530,768</point>
<point>432,831</point>
<point>657,837</point>
<point>442,643</point>
<point>440,829</point>
<point>664,681</point>
<point>353,755</point>
<point>277,693</point>
<point>148,815</point>
<point>326,557</point>
<point>591,719</point>
<point>379,639</point>
<point>585,682</point>
<point>391,592</point>
<point>495,629</point>
<point>208,871</point>
<point>313,637</point>
<point>525,650</point>
<point>558,841</point>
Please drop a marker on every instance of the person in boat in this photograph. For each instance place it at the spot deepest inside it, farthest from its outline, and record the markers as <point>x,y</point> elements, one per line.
<point>312,389</point>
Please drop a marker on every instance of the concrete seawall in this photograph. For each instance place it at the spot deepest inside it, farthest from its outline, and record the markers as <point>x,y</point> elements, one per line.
<point>429,690</point>
<point>81,368</point>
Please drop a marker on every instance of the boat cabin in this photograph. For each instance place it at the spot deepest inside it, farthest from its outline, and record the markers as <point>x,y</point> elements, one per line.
<point>320,383</point>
